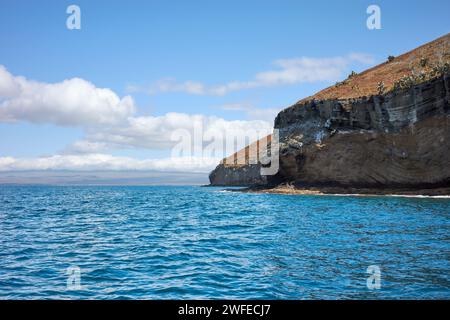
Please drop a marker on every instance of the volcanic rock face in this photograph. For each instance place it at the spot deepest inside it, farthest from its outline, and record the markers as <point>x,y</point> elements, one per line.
<point>247,175</point>
<point>355,135</point>
<point>399,139</point>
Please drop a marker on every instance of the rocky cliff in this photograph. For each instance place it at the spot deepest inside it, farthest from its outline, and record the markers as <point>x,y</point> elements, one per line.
<point>242,168</point>
<point>399,139</point>
<point>386,128</point>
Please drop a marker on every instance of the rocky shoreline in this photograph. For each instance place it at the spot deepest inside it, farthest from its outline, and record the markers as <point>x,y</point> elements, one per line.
<point>341,191</point>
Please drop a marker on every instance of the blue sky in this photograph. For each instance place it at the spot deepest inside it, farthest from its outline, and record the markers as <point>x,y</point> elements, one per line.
<point>131,47</point>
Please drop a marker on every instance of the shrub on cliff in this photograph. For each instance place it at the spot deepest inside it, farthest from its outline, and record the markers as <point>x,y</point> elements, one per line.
<point>423,62</point>
<point>352,74</point>
<point>415,78</point>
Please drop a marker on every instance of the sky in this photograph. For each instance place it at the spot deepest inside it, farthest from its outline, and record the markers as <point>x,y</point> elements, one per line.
<point>142,80</point>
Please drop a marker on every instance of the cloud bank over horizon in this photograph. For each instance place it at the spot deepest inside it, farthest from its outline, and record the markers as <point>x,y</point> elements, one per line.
<point>105,162</point>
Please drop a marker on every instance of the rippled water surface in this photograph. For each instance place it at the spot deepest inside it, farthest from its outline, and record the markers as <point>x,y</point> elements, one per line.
<point>194,242</point>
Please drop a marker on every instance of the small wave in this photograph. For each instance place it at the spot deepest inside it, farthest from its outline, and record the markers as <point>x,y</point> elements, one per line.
<point>418,196</point>
<point>421,196</point>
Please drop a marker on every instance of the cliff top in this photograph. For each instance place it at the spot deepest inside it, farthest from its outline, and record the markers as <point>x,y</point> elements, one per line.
<point>388,73</point>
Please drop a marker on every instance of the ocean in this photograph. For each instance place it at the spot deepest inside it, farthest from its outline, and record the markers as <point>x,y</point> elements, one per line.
<point>191,242</point>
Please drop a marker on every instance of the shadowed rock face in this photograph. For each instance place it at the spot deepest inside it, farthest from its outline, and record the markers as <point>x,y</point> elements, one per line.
<point>401,139</point>
<point>349,136</point>
<point>248,175</point>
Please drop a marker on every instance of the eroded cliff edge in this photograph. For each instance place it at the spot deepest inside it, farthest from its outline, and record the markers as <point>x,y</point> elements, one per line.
<point>393,140</point>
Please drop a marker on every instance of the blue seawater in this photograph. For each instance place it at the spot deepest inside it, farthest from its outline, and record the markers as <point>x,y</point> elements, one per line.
<point>166,242</point>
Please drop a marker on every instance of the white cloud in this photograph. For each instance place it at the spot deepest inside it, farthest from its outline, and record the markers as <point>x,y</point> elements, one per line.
<point>110,123</point>
<point>288,72</point>
<point>104,162</point>
<point>164,132</point>
<point>73,102</point>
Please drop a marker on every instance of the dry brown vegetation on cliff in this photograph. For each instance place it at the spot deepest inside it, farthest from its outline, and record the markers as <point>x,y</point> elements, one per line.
<point>422,63</point>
